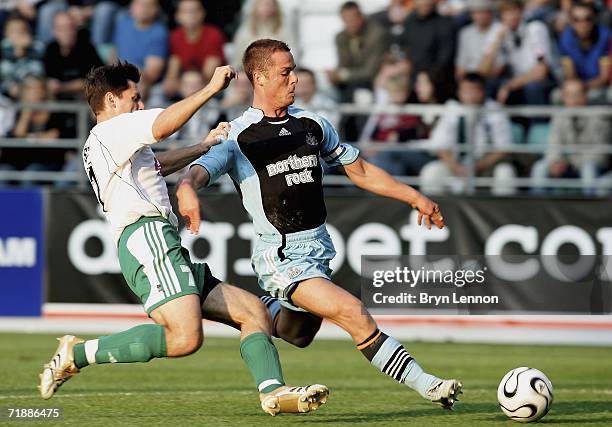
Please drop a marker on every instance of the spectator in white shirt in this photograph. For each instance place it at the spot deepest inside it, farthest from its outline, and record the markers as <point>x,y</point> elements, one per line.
<point>475,37</point>
<point>526,54</point>
<point>592,133</point>
<point>491,129</point>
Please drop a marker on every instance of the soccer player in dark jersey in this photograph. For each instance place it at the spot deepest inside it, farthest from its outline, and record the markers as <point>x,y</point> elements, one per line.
<point>272,155</point>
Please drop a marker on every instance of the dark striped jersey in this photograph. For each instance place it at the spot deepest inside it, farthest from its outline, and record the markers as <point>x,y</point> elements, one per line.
<point>274,163</point>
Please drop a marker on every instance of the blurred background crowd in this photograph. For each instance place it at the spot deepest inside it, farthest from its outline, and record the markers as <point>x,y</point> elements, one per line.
<point>478,53</point>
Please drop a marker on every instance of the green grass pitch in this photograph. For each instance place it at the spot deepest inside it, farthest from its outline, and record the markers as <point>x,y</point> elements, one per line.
<point>214,388</point>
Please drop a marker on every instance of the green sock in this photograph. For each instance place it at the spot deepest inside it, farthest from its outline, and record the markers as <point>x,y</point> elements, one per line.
<point>139,344</point>
<point>262,359</point>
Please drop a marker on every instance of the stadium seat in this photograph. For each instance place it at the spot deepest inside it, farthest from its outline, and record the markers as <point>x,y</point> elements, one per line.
<point>538,133</point>
<point>518,134</point>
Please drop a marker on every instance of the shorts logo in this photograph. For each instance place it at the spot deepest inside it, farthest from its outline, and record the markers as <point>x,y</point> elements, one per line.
<point>311,139</point>
<point>294,272</point>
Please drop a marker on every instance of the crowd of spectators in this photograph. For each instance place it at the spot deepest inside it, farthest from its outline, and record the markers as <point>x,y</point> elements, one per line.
<point>456,52</point>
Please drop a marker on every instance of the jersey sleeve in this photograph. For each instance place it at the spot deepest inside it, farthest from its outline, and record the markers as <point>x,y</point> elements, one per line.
<point>333,152</point>
<point>129,133</point>
<point>218,161</point>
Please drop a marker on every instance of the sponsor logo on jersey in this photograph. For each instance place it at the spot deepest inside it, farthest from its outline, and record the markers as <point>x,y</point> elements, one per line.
<point>284,132</point>
<point>292,162</point>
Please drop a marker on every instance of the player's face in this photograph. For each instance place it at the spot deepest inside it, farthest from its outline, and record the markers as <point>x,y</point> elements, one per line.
<point>279,83</point>
<point>129,101</point>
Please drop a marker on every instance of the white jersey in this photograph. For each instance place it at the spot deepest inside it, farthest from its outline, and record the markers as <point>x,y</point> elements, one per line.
<point>123,171</point>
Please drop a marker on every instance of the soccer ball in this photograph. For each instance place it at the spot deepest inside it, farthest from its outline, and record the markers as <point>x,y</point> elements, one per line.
<point>525,394</point>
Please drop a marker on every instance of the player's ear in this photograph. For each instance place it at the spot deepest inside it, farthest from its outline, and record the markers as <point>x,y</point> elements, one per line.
<point>109,100</point>
<point>258,78</point>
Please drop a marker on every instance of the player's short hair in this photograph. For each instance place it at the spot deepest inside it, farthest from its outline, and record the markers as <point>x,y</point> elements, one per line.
<point>350,5</point>
<point>474,78</point>
<point>113,78</point>
<point>257,56</point>
<point>505,5</point>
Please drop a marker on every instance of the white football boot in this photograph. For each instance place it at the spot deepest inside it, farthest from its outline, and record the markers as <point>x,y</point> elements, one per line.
<point>445,393</point>
<point>291,400</point>
<point>61,367</point>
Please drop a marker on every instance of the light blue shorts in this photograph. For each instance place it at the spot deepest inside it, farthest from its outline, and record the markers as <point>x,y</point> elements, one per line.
<point>279,268</point>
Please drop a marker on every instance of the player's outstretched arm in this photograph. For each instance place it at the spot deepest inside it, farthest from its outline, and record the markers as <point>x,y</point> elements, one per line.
<point>187,198</point>
<point>375,180</point>
<point>176,115</point>
<point>175,160</point>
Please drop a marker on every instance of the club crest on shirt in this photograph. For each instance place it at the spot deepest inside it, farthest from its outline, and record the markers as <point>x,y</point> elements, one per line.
<point>294,272</point>
<point>311,139</point>
<point>158,166</point>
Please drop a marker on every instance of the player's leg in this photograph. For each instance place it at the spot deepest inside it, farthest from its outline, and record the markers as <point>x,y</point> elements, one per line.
<point>177,332</point>
<point>153,265</point>
<point>324,299</point>
<point>296,327</point>
<point>243,310</point>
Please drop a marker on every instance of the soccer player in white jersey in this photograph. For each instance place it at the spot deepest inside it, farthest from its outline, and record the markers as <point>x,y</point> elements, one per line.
<point>127,179</point>
<point>272,154</point>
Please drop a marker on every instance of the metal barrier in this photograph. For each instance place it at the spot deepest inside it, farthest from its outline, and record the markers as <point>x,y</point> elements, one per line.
<point>471,114</point>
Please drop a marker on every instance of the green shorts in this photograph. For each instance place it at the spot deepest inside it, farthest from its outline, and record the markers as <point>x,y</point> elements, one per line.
<point>157,268</point>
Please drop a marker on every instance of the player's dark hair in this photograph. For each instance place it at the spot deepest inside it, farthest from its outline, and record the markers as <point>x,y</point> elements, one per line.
<point>257,56</point>
<point>350,5</point>
<point>474,78</point>
<point>113,78</point>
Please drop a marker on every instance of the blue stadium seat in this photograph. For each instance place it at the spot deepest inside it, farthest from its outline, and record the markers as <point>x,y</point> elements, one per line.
<point>538,133</point>
<point>518,134</point>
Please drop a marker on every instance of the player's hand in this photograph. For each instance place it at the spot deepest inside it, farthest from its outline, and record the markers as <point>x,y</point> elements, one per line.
<point>188,205</point>
<point>222,78</point>
<point>429,211</point>
<point>216,136</point>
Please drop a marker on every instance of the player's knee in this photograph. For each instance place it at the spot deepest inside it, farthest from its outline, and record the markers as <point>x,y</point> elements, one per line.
<point>184,343</point>
<point>353,315</point>
<point>253,314</point>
